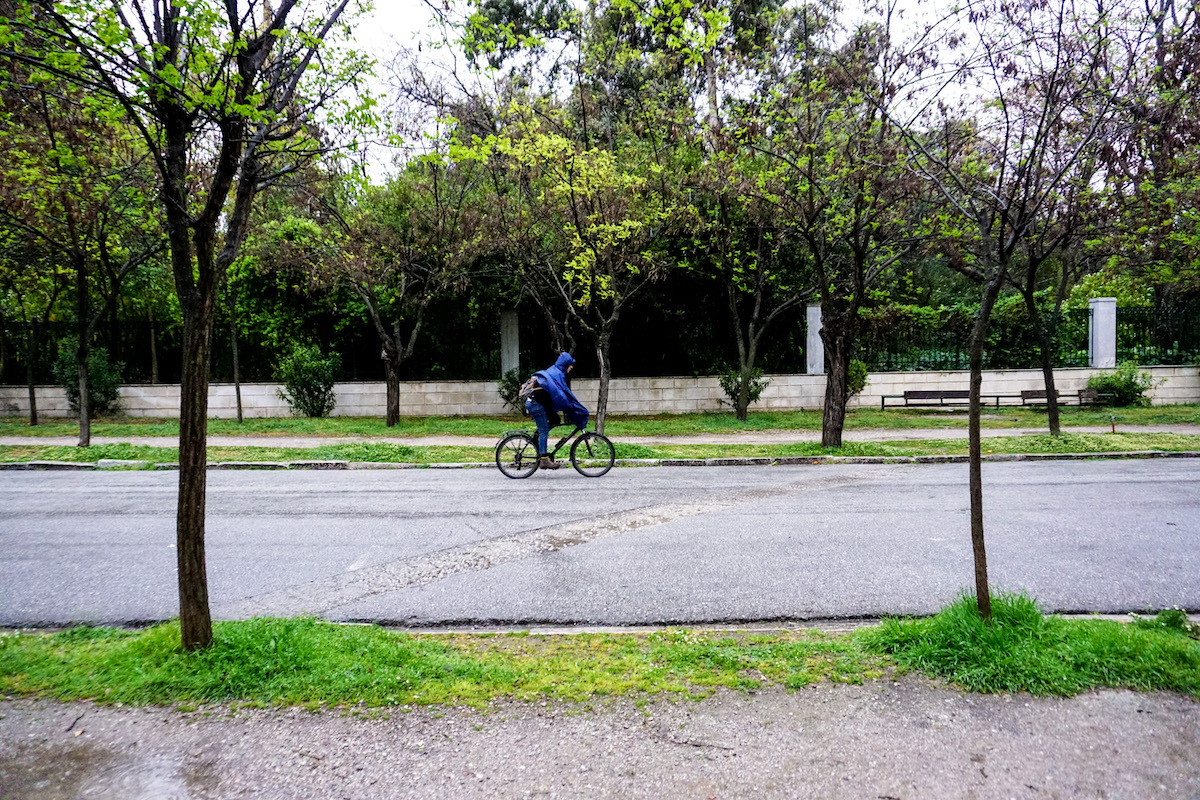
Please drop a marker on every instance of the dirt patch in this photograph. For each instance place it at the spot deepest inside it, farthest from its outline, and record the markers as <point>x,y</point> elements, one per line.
<point>909,738</point>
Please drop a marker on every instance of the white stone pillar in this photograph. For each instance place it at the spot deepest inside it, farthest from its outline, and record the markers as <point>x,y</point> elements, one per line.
<point>510,342</point>
<point>814,348</point>
<point>1102,333</point>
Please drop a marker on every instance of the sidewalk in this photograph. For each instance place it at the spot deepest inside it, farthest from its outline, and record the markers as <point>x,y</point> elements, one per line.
<point>905,738</point>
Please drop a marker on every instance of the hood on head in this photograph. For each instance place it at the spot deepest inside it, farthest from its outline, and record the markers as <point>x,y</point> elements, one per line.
<point>564,360</point>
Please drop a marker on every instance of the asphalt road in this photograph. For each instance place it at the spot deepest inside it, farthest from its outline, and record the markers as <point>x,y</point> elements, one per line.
<point>639,546</point>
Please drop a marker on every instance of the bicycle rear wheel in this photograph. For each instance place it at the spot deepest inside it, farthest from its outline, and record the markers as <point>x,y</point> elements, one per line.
<point>517,455</point>
<point>592,455</point>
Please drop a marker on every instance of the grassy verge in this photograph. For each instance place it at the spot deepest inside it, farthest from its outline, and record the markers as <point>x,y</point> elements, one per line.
<point>397,453</point>
<point>657,425</point>
<point>312,663</point>
<point>1024,651</point>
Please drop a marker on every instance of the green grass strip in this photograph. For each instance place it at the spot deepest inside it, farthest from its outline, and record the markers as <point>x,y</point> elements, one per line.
<point>308,662</point>
<point>397,453</point>
<point>1023,651</point>
<point>616,426</point>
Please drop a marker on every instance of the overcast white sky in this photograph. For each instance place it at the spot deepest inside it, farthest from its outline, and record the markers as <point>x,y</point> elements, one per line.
<point>397,24</point>
<point>393,23</point>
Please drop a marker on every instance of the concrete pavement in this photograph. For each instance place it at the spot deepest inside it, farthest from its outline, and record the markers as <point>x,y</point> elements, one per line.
<point>901,737</point>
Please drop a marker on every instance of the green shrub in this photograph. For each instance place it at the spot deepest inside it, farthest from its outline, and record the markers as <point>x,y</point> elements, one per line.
<point>1125,383</point>
<point>104,378</point>
<point>508,388</point>
<point>731,383</point>
<point>307,376</point>
<point>856,377</point>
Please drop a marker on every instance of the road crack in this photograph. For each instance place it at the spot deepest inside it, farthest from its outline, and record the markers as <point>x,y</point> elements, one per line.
<point>324,594</point>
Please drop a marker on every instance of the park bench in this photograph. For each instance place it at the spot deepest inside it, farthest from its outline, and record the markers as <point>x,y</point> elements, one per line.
<point>928,397</point>
<point>1084,397</point>
<point>1037,397</point>
<point>1094,397</point>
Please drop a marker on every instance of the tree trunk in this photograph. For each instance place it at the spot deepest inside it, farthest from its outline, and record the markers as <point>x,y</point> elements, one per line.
<point>836,340</point>
<point>29,373</point>
<point>153,351</point>
<point>602,357</point>
<point>85,406</point>
<point>82,347</point>
<point>392,369</point>
<point>194,615</point>
<point>1046,351</point>
<point>983,597</point>
<point>742,402</point>
<point>237,376</point>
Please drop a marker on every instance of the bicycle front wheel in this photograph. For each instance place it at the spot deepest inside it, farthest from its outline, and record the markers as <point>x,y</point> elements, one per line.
<point>592,455</point>
<point>517,455</point>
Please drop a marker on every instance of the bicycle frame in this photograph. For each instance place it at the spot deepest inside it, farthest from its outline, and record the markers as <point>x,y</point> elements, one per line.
<point>564,440</point>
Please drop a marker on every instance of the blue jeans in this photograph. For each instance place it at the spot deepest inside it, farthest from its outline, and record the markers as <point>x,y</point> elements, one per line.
<point>538,412</point>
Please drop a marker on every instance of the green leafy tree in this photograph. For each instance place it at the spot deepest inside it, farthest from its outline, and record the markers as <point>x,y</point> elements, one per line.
<point>594,178</point>
<point>74,180</point>
<point>219,94</point>
<point>835,168</point>
<point>104,378</point>
<point>32,281</point>
<point>1002,174</point>
<point>1152,158</point>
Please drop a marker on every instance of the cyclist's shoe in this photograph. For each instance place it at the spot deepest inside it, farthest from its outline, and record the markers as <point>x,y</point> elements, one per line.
<point>546,462</point>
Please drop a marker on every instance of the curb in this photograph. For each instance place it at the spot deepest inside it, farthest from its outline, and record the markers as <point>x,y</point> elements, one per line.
<point>118,464</point>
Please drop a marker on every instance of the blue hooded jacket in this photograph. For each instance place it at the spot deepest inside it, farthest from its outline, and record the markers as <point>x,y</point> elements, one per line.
<point>554,381</point>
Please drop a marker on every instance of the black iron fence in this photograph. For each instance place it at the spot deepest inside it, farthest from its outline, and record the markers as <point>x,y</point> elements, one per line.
<point>939,340</point>
<point>1159,335</point>
<point>890,340</point>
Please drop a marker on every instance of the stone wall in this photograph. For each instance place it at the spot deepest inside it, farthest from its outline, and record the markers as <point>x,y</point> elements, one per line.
<point>626,395</point>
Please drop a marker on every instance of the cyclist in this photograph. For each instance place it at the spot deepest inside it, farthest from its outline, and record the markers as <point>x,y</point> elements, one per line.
<point>552,396</point>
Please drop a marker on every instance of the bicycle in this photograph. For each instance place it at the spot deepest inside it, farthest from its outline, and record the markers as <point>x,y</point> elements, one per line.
<point>592,454</point>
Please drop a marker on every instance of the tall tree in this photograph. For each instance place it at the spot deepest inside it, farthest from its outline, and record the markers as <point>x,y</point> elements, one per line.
<point>217,92</point>
<point>1152,157</point>
<point>74,177</point>
<point>836,171</point>
<point>1002,171</point>
<point>397,248</point>
<point>31,282</point>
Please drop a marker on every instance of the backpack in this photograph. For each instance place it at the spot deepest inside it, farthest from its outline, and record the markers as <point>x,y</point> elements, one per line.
<point>526,391</point>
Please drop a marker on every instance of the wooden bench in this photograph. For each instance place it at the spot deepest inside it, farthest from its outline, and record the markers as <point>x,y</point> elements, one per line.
<point>1085,397</point>
<point>1037,397</point>
<point>1094,397</point>
<point>927,397</point>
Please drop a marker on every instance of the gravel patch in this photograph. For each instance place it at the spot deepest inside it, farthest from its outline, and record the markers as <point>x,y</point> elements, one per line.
<point>909,738</point>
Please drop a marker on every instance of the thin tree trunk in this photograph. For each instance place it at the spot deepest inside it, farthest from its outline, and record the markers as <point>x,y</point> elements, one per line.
<point>82,347</point>
<point>153,351</point>
<point>1046,352</point>
<point>742,403</point>
<point>237,376</point>
<point>29,373</point>
<point>392,369</point>
<point>602,356</point>
<point>85,407</point>
<point>983,597</point>
<point>837,336</point>
<point>194,614</point>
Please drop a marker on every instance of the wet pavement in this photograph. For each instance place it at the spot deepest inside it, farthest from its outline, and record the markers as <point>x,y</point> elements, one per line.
<point>905,739</point>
